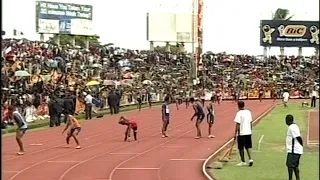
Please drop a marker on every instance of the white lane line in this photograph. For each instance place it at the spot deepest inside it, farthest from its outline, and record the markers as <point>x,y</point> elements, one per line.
<point>259,143</point>
<point>122,153</point>
<point>137,168</point>
<point>187,159</point>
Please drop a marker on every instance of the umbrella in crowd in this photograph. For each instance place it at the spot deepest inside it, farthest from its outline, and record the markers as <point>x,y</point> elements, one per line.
<point>92,83</point>
<point>21,73</point>
<point>147,82</point>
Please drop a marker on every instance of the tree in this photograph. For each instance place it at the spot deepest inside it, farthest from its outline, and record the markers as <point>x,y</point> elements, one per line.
<point>173,49</point>
<point>80,40</point>
<point>282,14</point>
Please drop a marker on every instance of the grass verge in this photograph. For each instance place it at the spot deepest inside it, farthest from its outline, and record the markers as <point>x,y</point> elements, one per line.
<point>270,160</point>
<point>43,124</point>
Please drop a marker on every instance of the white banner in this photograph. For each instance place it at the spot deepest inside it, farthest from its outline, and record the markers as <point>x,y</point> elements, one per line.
<point>48,26</point>
<point>81,27</point>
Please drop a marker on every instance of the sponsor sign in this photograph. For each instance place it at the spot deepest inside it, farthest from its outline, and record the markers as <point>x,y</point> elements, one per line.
<point>63,18</point>
<point>282,33</point>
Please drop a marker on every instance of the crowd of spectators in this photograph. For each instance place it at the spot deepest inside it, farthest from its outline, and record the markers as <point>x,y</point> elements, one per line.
<point>38,77</point>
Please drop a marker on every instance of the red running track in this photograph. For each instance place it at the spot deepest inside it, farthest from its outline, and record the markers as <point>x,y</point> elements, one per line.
<point>104,155</point>
<point>313,127</point>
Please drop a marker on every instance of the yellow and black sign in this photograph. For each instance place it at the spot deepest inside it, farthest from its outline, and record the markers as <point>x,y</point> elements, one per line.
<point>289,33</point>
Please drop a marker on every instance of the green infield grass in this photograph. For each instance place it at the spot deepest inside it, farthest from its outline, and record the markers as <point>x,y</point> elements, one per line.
<point>269,161</point>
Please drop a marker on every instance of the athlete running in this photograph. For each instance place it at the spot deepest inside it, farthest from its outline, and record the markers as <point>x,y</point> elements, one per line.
<point>22,126</point>
<point>199,113</point>
<point>210,117</point>
<point>131,125</point>
<point>165,116</point>
<point>74,129</point>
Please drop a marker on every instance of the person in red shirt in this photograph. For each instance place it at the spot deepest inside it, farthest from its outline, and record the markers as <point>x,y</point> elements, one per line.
<point>131,125</point>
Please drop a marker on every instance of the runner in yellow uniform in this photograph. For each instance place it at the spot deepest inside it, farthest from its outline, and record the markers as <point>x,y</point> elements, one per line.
<point>74,130</point>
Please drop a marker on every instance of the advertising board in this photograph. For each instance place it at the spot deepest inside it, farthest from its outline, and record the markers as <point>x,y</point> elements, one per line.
<point>63,18</point>
<point>169,27</point>
<point>282,33</point>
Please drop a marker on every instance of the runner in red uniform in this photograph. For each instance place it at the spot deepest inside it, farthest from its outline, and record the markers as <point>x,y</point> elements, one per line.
<point>131,124</point>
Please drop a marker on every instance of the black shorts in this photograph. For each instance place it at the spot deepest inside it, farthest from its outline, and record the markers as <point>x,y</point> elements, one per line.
<point>200,117</point>
<point>210,118</point>
<point>78,129</point>
<point>293,160</point>
<point>244,142</point>
<point>135,128</point>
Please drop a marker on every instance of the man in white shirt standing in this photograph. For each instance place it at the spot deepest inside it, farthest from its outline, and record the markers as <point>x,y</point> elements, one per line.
<point>286,97</point>
<point>243,130</point>
<point>294,146</point>
<point>88,107</point>
<point>314,95</point>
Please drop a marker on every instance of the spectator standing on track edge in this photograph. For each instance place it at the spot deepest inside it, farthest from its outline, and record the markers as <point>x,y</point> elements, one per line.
<point>88,106</point>
<point>286,97</point>
<point>313,98</point>
<point>294,145</point>
<point>113,102</point>
<point>243,133</point>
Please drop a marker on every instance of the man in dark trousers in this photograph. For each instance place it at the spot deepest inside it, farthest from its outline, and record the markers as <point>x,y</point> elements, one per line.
<point>119,95</point>
<point>88,105</point>
<point>68,106</point>
<point>59,104</point>
<point>294,146</point>
<point>53,111</point>
<point>113,102</point>
<point>313,98</point>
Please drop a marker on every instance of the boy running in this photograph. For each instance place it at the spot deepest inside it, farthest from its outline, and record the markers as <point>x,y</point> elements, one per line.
<point>131,124</point>
<point>22,127</point>
<point>199,113</point>
<point>165,116</point>
<point>210,117</point>
<point>74,130</point>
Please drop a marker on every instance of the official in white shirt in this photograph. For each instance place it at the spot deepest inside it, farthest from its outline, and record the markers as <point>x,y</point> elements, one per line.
<point>314,95</point>
<point>243,132</point>
<point>286,97</point>
<point>88,107</point>
<point>294,146</point>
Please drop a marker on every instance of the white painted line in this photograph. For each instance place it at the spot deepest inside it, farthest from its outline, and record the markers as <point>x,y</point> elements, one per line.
<point>138,168</point>
<point>123,153</point>
<point>313,143</point>
<point>204,165</point>
<point>63,161</point>
<point>36,144</point>
<point>259,143</point>
<point>187,159</point>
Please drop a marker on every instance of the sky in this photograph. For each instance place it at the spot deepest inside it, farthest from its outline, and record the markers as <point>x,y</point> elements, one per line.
<point>123,22</point>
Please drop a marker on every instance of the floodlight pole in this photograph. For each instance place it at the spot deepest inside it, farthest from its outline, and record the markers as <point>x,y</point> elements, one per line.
<point>193,64</point>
